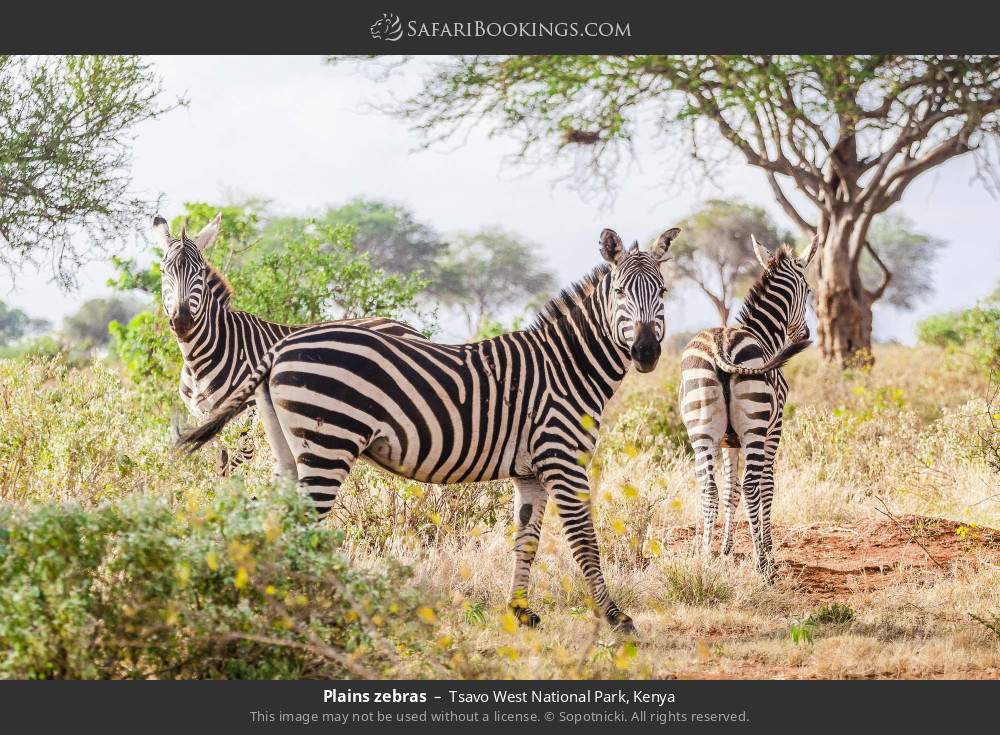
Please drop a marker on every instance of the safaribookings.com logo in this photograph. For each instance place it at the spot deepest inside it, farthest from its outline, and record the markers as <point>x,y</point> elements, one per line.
<point>390,28</point>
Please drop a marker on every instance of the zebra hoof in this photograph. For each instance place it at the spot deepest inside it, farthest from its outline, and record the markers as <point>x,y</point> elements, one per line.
<point>526,617</point>
<point>624,626</point>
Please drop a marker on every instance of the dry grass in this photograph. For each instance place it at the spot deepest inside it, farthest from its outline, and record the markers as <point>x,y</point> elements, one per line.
<point>904,433</point>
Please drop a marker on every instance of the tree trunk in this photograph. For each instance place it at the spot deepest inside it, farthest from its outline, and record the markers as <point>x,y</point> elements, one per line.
<point>843,306</point>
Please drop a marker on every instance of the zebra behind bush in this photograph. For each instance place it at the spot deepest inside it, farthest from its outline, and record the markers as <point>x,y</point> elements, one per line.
<point>525,405</point>
<point>732,396</point>
<point>219,345</point>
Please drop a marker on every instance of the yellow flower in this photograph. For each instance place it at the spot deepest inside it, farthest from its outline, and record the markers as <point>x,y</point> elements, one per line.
<point>435,518</point>
<point>270,590</point>
<point>625,654</point>
<point>241,578</point>
<point>629,491</point>
<point>631,450</point>
<point>587,422</point>
<point>443,642</point>
<point>618,525</point>
<point>183,574</point>
<point>508,622</point>
<point>212,560</point>
<point>676,504</point>
<point>465,571</point>
<point>654,547</point>
<point>427,615</point>
<point>509,652</point>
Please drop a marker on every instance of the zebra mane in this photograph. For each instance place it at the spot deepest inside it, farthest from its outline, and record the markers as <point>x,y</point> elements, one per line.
<point>783,254</point>
<point>216,277</point>
<point>566,306</point>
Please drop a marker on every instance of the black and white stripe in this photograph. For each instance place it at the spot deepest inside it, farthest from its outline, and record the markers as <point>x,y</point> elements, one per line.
<point>732,397</point>
<point>219,344</point>
<point>525,405</point>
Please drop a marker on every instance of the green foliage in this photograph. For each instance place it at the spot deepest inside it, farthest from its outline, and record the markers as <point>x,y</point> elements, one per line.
<point>975,330</point>
<point>222,589</point>
<point>320,276</point>
<point>490,327</point>
<point>389,233</point>
<point>801,631</point>
<point>68,123</point>
<point>835,613</point>
<point>148,351</point>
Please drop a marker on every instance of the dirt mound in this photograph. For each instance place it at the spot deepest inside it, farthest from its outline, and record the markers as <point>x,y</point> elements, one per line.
<point>831,562</point>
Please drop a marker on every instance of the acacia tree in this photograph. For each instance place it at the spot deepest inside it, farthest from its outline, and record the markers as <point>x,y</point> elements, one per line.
<point>66,125</point>
<point>716,256</point>
<point>487,270</point>
<point>849,133</point>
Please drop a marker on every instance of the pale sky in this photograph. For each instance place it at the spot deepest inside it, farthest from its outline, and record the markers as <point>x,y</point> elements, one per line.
<point>299,132</point>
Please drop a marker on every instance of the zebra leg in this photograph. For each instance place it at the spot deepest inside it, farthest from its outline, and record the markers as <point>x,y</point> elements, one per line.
<point>568,484</point>
<point>705,453</point>
<point>228,462</point>
<point>730,495</point>
<point>753,455</point>
<point>284,461</point>
<point>767,483</point>
<point>529,509</point>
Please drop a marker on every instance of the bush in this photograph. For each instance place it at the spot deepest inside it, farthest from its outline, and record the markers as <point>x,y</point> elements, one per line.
<point>976,330</point>
<point>221,589</point>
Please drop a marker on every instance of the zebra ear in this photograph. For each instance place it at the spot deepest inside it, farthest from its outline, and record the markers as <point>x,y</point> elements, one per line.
<point>662,244</point>
<point>612,247</point>
<point>161,231</point>
<point>811,252</point>
<point>762,253</point>
<point>208,234</point>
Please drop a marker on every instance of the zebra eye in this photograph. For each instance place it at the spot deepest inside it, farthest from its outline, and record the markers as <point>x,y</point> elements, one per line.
<point>663,292</point>
<point>620,292</point>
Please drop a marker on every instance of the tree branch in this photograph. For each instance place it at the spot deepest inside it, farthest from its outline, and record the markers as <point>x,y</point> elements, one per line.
<point>886,274</point>
<point>787,205</point>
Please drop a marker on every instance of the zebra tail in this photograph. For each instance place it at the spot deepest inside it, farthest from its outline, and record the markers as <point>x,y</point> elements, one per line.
<point>784,355</point>
<point>198,437</point>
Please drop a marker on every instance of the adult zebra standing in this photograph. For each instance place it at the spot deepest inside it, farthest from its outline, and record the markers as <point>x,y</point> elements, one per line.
<point>525,405</point>
<point>219,345</point>
<point>732,396</point>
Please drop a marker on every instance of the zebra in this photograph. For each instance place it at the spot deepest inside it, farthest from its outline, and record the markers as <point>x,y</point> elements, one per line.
<point>524,405</point>
<point>732,396</point>
<point>219,344</point>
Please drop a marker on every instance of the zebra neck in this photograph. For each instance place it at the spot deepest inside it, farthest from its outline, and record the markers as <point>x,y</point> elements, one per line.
<point>227,336</point>
<point>583,340</point>
<point>767,327</point>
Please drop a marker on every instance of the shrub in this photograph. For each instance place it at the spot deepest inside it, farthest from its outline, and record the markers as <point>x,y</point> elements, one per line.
<point>976,330</point>
<point>220,589</point>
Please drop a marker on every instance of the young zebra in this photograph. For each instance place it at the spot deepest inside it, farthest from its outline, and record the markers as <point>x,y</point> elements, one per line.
<point>525,405</point>
<point>732,396</point>
<point>219,345</point>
